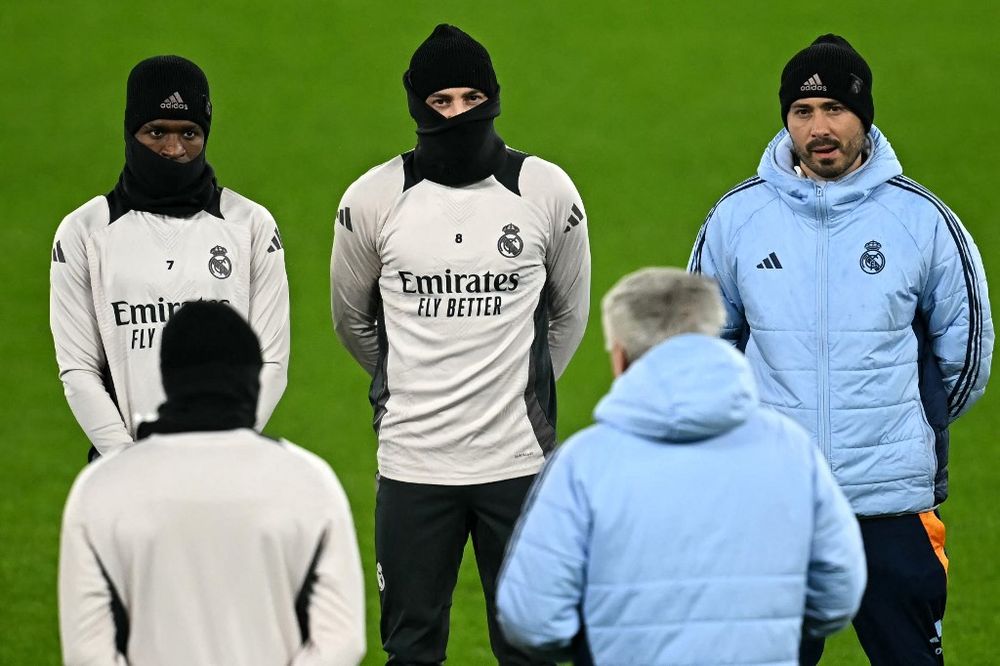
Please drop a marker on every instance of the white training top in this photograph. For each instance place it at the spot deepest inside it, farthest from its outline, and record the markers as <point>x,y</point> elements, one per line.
<point>116,278</point>
<point>206,549</point>
<point>465,304</point>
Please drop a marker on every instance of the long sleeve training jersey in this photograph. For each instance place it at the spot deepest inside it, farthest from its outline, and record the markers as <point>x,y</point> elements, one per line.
<point>116,278</point>
<point>239,550</point>
<point>465,304</point>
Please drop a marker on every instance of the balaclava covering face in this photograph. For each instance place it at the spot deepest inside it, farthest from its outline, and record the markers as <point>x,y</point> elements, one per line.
<point>465,148</point>
<point>210,363</point>
<point>171,88</point>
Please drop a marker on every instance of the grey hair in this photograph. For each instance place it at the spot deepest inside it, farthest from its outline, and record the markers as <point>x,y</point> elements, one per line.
<point>650,305</point>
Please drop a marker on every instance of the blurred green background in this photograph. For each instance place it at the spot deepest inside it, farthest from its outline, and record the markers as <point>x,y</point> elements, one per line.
<point>654,108</point>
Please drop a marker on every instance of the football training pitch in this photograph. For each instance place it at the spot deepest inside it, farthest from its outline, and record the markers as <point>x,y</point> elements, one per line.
<point>655,109</point>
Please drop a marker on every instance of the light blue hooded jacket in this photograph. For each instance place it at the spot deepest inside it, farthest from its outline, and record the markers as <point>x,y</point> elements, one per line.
<point>688,526</point>
<point>862,305</point>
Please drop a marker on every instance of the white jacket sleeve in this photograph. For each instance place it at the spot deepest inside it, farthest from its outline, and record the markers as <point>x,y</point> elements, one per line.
<point>837,573</point>
<point>269,315</point>
<point>86,621</point>
<point>79,348</point>
<point>355,268</point>
<point>336,601</point>
<point>542,613</point>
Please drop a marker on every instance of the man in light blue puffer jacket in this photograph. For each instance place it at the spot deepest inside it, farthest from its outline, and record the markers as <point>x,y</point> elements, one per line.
<point>861,303</point>
<point>690,525</point>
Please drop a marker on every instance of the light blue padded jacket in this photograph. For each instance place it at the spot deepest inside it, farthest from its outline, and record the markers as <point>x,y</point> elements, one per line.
<point>690,525</point>
<point>862,305</point>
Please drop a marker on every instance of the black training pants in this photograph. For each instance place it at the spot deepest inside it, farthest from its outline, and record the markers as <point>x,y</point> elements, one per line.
<point>420,535</point>
<point>899,623</point>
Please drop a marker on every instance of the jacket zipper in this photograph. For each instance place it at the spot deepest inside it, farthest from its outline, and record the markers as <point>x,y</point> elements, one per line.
<point>823,367</point>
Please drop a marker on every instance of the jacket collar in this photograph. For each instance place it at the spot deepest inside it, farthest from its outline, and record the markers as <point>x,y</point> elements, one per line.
<point>841,196</point>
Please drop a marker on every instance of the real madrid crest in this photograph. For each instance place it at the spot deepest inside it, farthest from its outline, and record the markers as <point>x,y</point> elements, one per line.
<point>510,244</point>
<point>219,265</point>
<point>872,260</point>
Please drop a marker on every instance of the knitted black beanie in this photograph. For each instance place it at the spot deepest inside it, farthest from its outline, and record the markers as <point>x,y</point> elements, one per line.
<point>449,58</point>
<point>168,87</point>
<point>208,344</point>
<point>829,67</point>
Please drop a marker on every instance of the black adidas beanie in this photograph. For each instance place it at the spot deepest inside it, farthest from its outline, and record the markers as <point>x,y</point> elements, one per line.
<point>449,58</point>
<point>209,343</point>
<point>829,67</point>
<point>168,87</point>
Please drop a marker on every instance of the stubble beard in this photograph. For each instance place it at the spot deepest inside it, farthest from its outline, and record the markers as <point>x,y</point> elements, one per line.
<point>830,168</point>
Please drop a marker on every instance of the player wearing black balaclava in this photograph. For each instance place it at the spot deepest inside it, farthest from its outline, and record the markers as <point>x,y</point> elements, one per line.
<point>165,235</point>
<point>464,148</point>
<point>460,281</point>
<point>149,182</point>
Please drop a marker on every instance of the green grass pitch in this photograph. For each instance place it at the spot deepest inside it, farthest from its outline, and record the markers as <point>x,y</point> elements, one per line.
<point>654,108</point>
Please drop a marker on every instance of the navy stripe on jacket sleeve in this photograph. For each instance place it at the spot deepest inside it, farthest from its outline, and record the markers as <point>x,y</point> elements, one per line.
<point>694,266</point>
<point>959,395</point>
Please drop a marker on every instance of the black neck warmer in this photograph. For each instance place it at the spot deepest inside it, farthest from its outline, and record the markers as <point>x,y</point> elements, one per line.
<point>459,150</point>
<point>157,185</point>
<point>208,397</point>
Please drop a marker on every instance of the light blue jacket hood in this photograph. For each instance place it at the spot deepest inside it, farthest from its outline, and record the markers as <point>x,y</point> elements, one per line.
<point>777,167</point>
<point>688,388</point>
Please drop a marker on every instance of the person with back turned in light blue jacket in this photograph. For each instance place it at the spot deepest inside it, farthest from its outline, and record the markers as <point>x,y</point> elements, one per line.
<point>861,303</point>
<point>690,524</point>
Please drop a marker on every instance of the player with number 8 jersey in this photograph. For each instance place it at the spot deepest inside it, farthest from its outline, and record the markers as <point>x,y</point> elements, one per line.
<point>465,304</point>
<point>460,281</point>
<point>464,295</point>
<point>167,234</point>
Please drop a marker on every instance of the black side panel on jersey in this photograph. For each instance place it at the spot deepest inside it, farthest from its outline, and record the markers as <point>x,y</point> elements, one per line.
<point>410,177</point>
<point>118,611</point>
<point>509,175</point>
<point>305,592</point>
<point>109,386</point>
<point>378,393</point>
<point>540,393</point>
<point>117,207</point>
